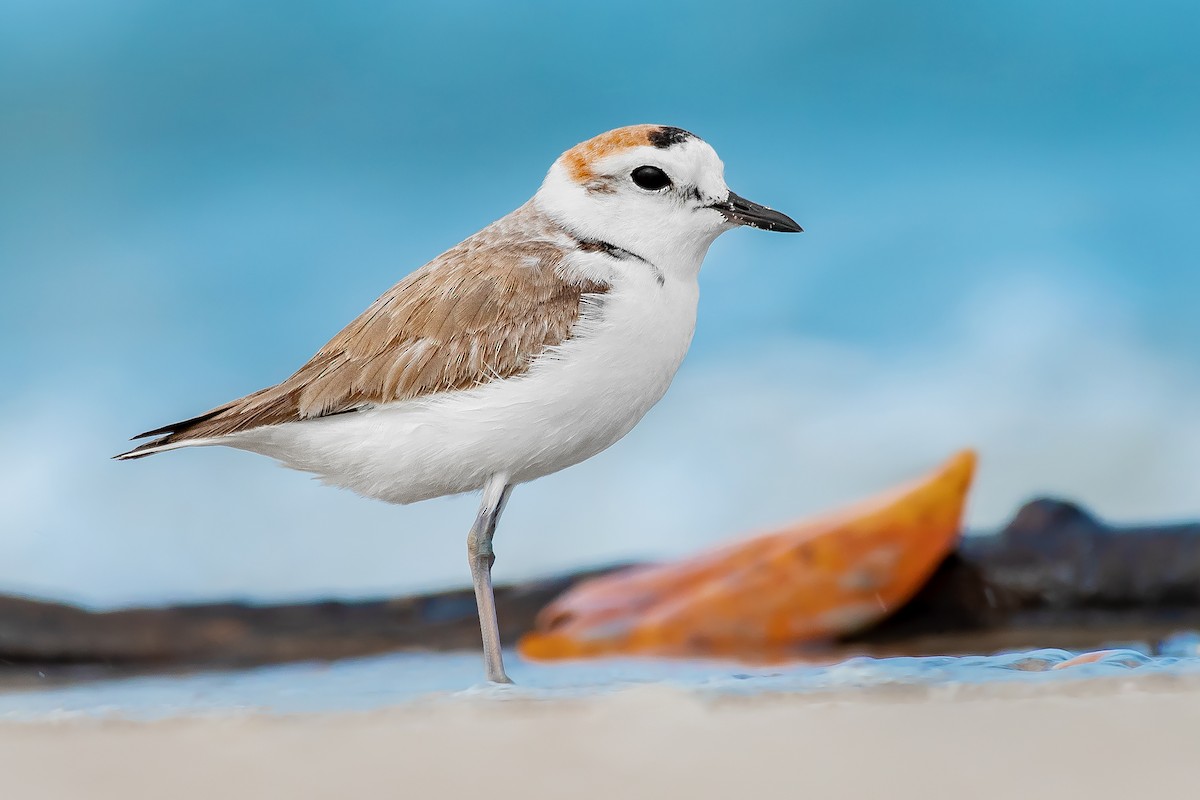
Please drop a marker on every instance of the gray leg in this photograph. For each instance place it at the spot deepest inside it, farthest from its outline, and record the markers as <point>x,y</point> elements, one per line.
<point>481,557</point>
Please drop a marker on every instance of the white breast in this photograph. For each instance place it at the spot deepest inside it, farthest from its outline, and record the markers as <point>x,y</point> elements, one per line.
<point>575,401</point>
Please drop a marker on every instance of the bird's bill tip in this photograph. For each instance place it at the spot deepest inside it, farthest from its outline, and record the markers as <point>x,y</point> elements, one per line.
<point>741,211</point>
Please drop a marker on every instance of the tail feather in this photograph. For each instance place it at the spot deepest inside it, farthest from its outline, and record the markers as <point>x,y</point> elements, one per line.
<point>270,406</point>
<point>176,435</point>
<point>156,446</point>
<point>177,427</point>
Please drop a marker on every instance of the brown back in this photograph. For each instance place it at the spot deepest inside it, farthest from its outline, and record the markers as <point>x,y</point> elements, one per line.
<point>481,311</point>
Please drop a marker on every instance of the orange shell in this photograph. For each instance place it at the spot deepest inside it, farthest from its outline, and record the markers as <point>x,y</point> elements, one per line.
<point>761,598</point>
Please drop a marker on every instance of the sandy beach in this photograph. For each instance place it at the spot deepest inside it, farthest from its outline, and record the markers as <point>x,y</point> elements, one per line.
<point>1095,739</point>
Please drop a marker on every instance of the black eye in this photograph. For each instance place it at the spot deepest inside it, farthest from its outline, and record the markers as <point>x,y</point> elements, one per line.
<point>650,178</point>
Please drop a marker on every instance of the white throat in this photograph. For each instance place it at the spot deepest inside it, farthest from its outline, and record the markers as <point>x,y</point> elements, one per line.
<point>674,239</point>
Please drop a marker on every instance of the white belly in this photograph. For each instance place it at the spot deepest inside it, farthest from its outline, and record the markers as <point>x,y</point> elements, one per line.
<point>575,401</point>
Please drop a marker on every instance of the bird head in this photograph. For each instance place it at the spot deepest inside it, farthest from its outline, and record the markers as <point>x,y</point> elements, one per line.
<point>653,190</point>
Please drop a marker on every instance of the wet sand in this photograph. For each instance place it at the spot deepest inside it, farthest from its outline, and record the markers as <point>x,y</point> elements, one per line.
<point>1099,739</point>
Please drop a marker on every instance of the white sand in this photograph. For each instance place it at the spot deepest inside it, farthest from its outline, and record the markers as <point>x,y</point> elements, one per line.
<point>1100,740</point>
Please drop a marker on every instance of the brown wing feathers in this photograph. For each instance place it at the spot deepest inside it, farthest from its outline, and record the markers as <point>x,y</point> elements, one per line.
<point>479,312</point>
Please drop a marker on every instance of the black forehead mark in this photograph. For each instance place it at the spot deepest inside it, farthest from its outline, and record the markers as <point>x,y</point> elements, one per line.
<point>664,137</point>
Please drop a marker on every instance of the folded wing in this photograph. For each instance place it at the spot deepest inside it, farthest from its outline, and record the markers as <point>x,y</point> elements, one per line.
<point>480,312</point>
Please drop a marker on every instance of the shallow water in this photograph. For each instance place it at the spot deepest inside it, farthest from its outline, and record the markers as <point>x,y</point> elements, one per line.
<point>377,682</point>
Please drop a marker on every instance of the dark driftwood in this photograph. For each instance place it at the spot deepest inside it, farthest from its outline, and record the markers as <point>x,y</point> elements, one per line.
<point>1054,555</point>
<point>33,632</point>
<point>1053,568</point>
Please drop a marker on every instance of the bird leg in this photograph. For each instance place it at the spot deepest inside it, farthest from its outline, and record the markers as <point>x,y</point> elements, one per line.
<point>481,557</point>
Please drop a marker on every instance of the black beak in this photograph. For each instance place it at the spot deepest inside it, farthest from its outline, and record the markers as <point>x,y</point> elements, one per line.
<point>741,211</point>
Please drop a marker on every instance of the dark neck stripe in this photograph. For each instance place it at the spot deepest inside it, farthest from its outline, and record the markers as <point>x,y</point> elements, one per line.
<point>598,246</point>
<point>619,253</point>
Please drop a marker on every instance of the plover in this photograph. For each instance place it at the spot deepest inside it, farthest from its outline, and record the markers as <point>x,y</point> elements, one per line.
<point>529,347</point>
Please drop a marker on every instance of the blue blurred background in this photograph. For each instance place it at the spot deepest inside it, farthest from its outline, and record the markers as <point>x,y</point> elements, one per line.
<point>1000,202</point>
